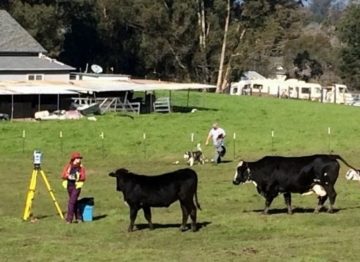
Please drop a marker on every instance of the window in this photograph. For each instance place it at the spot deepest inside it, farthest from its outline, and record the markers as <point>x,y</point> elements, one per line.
<point>342,90</point>
<point>257,86</point>
<point>305,90</point>
<point>36,77</point>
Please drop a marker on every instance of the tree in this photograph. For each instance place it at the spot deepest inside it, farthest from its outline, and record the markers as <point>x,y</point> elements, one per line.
<point>4,4</point>
<point>349,33</point>
<point>81,45</point>
<point>205,40</point>
<point>257,41</point>
<point>320,9</point>
<point>306,67</point>
<point>223,49</point>
<point>41,21</point>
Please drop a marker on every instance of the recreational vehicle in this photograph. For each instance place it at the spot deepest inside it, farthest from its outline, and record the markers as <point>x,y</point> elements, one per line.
<point>302,90</point>
<point>273,87</point>
<point>337,93</point>
<point>254,84</point>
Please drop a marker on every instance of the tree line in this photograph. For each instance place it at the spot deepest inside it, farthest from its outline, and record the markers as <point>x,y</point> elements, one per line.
<point>206,41</point>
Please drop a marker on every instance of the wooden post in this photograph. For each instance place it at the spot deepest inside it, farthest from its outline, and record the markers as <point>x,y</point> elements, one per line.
<point>234,140</point>
<point>329,139</point>
<point>23,140</point>
<point>61,141</point>
<point>102,136</point>
<point>144,142</point>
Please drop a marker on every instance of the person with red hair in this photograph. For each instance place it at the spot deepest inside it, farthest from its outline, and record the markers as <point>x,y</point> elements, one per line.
<point>74,176</point>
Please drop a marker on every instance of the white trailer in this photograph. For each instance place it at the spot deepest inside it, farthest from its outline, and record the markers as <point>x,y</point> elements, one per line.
<point>273,87</point>
<point>337,93</point>
<point>303,90</point>
<point>291,88</point>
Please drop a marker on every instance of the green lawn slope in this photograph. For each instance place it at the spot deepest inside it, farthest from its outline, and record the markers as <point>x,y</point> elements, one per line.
<point>232,227</point>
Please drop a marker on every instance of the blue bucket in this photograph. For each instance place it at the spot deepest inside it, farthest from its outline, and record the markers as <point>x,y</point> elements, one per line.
<point>86,207</point>
<point>87,213</point>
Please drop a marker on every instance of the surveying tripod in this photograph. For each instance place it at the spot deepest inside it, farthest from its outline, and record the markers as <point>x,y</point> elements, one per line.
<point>31,193</point>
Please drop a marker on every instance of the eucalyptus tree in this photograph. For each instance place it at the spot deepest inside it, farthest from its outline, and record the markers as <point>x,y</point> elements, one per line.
<point>149,38</point>
<point>81,45</point>
<point>258,33</point>
<point>41,20</point>
<point>320,9</point>
<point>4,4</point>
<point>349,34</point>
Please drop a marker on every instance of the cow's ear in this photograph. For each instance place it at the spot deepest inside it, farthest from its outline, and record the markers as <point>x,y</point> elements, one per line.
<point>112,174</point>
<point>241,163</point>
<point>122,171</point>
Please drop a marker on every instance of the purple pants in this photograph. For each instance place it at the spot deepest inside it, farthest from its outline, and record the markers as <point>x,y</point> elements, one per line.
<point>72,204</point>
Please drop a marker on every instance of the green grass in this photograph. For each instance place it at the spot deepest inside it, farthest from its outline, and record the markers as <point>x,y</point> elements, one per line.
<point>233,228</point>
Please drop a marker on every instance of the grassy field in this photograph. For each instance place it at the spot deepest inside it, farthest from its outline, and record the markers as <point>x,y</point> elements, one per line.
<point>232,227</point>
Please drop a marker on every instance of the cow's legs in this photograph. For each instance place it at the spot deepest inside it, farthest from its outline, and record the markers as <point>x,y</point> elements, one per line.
<point>332,196</point>
<point>133,214</point>
<point>185,216</point>
<point>320,203</point>
<point>192,211</point>
<point>268,202</point>
<point>287,197</point>
<point>147,214</point>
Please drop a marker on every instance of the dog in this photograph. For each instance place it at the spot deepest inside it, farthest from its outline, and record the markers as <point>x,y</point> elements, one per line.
<point>194,156</point>
<point>352,174</point>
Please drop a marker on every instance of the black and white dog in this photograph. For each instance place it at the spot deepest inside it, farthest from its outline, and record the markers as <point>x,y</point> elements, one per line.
<point>194,156</point>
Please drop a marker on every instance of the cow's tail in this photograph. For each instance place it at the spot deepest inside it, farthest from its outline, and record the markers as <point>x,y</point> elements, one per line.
<point>346,163</point>
<point>195,189</point>
<point>196,201</point>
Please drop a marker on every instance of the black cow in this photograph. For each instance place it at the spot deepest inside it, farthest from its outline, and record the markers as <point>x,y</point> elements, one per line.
<point>144,192</point>
<point>275,174</point>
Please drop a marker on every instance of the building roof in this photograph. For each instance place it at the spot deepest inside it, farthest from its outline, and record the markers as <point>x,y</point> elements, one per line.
<point>14,38</point>
<point>31,63</point>
<point>95,86</point>
<point>33,87</point>
<point>252,75</point>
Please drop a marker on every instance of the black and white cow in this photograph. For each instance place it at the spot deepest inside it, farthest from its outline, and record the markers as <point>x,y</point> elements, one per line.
<point>275,174</point>
<point>144,192</point>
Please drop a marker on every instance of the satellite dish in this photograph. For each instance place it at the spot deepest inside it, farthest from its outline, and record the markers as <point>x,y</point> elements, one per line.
<point>96,69</point>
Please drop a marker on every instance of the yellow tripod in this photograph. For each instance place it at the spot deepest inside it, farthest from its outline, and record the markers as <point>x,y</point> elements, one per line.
<point>31,193</point>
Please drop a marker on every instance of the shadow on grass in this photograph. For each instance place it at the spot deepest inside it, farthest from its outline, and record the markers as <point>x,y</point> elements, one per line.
<point>32,217</point>
<point>125,115</point>
<point>158,226</point>
<point>185,109</point>
<point>219,164</point>
<point>300,210</point>
<point>226,161</point>
<point>99,217</point>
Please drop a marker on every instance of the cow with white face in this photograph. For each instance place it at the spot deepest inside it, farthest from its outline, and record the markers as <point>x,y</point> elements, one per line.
<point>242,174</point>
<point>273,175</point>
